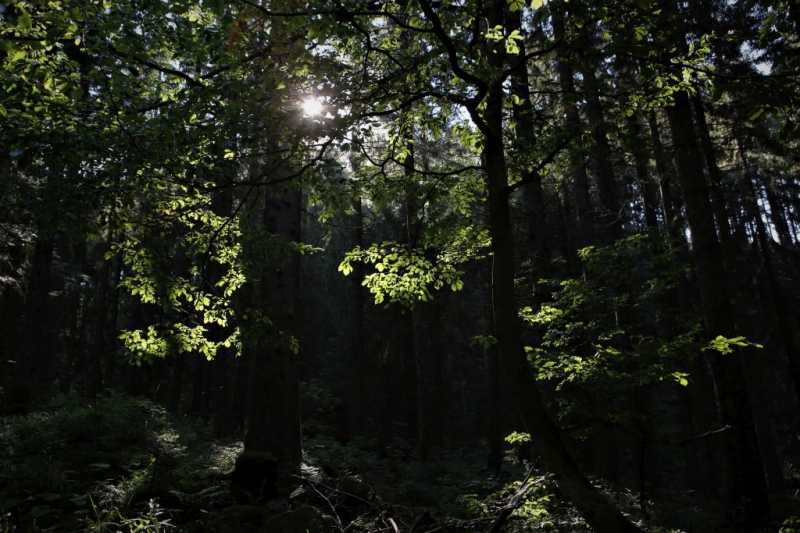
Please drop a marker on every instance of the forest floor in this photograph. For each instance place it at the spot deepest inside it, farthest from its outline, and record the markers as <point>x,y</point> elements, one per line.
<point>123,464</point>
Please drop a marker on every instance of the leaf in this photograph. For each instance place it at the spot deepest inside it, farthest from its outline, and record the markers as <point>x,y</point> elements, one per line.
<point>49,496</point>
<point>100,465</point>
<point>24,21</point>
<point>757,114</point>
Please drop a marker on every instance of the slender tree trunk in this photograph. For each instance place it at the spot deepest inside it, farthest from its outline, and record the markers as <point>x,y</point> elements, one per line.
<point>537,251</point>
<point>785,331</point>
<point>664,180</point>
<point>596,510</point>
<point>427,320</point>
<point>494,460</point>
<point>113,320</point>
<point>777,215</point>
<point>580,179</point>
<point>99,349</point>
<point>427,348</point>
<point>644,183</point>
<point>37,360</point>
<point>274,421</point>
<point>358,364</point>
<point>611,218</point>
<point>714,173</point>
<point>12,334</point>
<point>383,395</point>
<point>410,381</point>
<point>747,504</point>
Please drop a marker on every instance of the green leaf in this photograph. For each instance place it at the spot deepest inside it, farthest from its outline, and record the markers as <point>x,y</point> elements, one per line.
<point>24,21</point>
<point>757,114</point>
<point>49,496</point>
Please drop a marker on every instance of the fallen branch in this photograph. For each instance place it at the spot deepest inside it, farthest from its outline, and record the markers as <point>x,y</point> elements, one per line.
<point>515,501</point>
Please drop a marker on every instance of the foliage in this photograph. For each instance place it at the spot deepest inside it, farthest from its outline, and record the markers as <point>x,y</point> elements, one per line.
<point>723,345</point>
<point>402,275</point>
<point>790,525</point>
<point>599,332</point>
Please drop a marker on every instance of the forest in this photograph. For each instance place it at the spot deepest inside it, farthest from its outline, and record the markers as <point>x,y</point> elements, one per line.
<point>400,266</point>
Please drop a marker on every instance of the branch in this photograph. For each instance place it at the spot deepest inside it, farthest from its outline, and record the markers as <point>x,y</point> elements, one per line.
<point>515,501</point>
<point>546,161</point>
<point>452,53</point>
<point>166,70</point>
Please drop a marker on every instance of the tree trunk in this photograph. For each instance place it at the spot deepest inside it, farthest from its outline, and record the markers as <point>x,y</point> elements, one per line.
<point>747,504</point>
<point>593,506</point>
<point>610,219</point>
<point>37,360</point>
<point>580,179</point>
<point>357,360</point>
<point>427,319</point>
<point>494,427</point>
<point>644,183</point>
<point>274,421</point>
<point>536,251</point>
<point>383,395</point>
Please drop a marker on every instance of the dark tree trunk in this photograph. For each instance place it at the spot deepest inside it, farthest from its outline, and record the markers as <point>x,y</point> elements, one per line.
<point>410,381</point>
<point>714,173</point>
<point>777,215</point>
<point>784,329</point>
<point>747,504</point>
<point>37,359</point>
<point>494,427</point>
<point>644,183</point>
<point>668,203</point>
<point>611,218</point>
<point>113,320</point>
<point>573,484</point>
<point>12,335</point>
<point>537,251</point>
<point>383,359</point>
<point>99,349</point>
<point>427,334</point>
<point>580,179</point>
<point>358,364</point>
<point>274,421</point>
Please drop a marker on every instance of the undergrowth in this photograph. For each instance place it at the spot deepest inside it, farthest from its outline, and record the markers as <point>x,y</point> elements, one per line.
<point>123,464</point>
<point>116,464</point>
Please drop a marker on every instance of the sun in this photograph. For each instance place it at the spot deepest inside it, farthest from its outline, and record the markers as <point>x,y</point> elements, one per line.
<point>312,107</point>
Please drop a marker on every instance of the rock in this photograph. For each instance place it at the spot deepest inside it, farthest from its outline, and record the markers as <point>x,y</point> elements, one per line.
<point>257,473</point>
<point>354,492</point>
<point>240,519</point>
<point>304,519</point>
<point>303,495</point>
<point>277,505</point>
